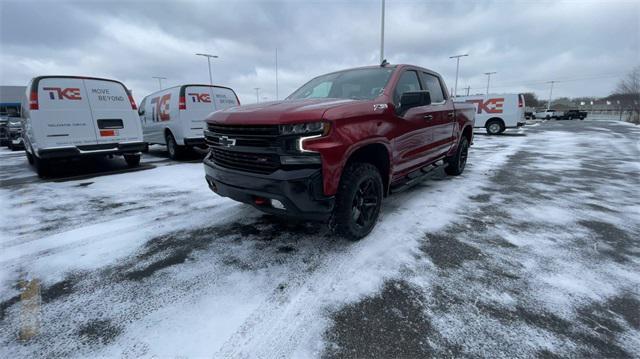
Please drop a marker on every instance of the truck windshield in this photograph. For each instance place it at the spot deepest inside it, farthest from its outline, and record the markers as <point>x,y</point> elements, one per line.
<point>357,84</point>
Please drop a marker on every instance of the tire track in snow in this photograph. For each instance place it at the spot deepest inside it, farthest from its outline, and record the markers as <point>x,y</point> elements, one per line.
<point>283,321</point>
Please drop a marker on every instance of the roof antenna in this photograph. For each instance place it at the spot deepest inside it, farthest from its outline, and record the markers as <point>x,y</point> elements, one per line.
<point>384,63</point>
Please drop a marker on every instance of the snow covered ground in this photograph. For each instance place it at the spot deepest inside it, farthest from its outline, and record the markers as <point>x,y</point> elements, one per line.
<point>532,251</point>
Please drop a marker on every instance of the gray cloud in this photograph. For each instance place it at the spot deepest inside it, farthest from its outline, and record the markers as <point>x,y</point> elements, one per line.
<point>527,43</point>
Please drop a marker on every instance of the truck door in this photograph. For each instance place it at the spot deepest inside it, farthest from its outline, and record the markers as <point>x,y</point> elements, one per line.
<point>64,116</point>
<point>113,112</point>
<point>443,113</point>
<point>414,131</point>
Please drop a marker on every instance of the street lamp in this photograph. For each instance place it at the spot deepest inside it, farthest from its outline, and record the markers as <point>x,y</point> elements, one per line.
<point>489,79</point>
<point>457,57</point>
<point>551,93</point>
<point>257,94</point>
<point>160,78</point>
<point>209,57</point>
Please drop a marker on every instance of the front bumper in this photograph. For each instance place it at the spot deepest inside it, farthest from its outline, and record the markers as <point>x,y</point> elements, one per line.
<point>299,190</point>
<point>195,142</point>
<point>92,150</point>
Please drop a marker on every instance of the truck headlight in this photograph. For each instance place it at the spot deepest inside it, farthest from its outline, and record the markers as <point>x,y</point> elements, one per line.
<point>309,128</point>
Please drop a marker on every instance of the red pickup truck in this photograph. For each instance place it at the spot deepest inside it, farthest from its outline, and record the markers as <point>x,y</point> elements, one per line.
<point>339,144</point>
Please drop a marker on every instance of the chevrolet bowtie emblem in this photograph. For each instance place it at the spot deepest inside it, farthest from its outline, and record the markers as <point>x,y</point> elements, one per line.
<point>226,141</point>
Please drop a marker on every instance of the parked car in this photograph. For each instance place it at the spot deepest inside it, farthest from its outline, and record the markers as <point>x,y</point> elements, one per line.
<point>4,130</point>
<point>175,116</point>
<point>339,144</point>
<point>70,116</point>
<point>548,114</point>
<point>15,134</point>
<point>573,114</point>
<point>496,113</point>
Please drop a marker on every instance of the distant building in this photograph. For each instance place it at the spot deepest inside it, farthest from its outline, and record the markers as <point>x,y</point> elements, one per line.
<point>10,99</point>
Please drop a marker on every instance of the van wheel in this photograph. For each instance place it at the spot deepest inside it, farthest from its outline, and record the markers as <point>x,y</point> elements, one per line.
<point>457,162</point>
<point>175,151</point>
<point>358,201</point>
<point>29,157</point>
<point>42,166</point>
<point>494,127</point>
<point>132,160</point>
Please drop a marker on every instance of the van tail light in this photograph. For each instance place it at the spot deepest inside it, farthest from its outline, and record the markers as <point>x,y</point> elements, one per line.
<point>520,101</point>
<point>182,104</point>
<point>33,100</point>
<point>133,102</point>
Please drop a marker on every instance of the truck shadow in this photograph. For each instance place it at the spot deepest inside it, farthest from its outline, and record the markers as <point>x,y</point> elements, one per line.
<point>83,168</point>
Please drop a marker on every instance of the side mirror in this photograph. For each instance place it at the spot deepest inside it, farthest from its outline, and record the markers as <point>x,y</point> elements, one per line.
<point>414,99</point>
<point>140,111</point>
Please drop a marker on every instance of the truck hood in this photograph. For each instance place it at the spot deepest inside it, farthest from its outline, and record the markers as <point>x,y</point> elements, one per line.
<point>277,112</point>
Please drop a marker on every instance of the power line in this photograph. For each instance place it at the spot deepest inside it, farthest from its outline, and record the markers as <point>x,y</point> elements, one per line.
<point>518,83</point>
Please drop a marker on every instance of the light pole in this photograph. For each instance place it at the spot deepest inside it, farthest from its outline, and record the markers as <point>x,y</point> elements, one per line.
<point>550,94</point>
<point>257,94</point>
<point>209,57</point>
<point>382,34</point>
<point>160,78</point>
<point>489,79</point>
<point>457,57</point>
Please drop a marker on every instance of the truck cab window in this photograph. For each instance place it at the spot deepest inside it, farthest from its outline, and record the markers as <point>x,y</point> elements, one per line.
<point>434,87</point>
<point>408,83</point>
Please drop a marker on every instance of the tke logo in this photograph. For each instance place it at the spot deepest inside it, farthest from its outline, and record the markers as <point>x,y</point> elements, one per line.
<point>492,105</point>
<point>161,110</point>
<point>71,93</point>
<point>200,97</point>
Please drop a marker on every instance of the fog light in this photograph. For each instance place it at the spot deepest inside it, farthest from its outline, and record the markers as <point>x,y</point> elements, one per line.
<point>277,204</point>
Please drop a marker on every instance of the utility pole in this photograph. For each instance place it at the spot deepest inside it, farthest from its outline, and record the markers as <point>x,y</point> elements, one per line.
<point>257,94</point>
<point>209,57</point>
<point>489,79</point>
<point>382,35</point>
<point>550,94</point>
<point>457,57</point>
<point>160,78</point>
<point>468,89</point>
<point>277,98</point>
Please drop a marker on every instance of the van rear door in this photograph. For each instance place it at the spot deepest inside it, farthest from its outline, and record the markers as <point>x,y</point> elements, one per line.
<point>198,105</point>
<point>113,112</point>
<point>63,117</point>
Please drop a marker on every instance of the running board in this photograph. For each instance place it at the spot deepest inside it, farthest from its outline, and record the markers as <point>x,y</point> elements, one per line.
<point>417,176</point>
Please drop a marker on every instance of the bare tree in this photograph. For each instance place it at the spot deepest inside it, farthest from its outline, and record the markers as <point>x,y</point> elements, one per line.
<point>630,86</point>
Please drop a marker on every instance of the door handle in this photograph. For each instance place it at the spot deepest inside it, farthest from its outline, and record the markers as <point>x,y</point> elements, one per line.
<point>451,114</point>
<point>428,117</point>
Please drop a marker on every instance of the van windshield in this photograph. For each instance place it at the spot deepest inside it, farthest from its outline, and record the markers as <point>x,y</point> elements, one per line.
<point>357,84</point>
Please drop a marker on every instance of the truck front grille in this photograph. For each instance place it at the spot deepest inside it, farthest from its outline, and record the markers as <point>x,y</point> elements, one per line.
<point>264,163</point>
<point>243,136</point>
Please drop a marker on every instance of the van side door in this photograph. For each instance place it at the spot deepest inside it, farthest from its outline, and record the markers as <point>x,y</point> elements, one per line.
<point>443,115</point>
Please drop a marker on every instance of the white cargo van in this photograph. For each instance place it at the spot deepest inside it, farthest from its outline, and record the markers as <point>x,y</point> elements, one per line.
<point>496,113</point>
<point>70,116</point>
<point>175,116</point>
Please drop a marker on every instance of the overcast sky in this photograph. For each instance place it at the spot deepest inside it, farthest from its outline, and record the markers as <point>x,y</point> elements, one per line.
<point>590,43</point>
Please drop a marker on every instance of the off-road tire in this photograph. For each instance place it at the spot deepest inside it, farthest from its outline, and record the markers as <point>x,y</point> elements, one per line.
<point>349,218</point>
<point>494,127</point>
<point>457,162</point>
<point>132,160</point>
